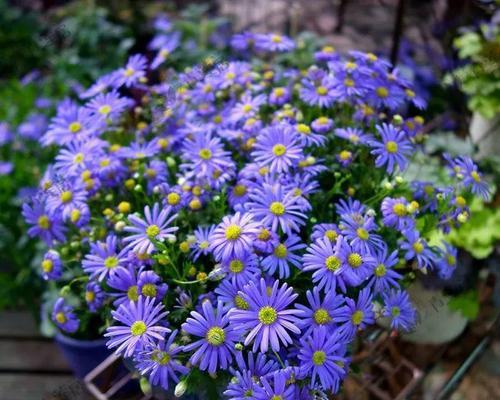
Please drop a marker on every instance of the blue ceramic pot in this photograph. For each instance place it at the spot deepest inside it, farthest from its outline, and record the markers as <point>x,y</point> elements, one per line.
<point>82,355</point>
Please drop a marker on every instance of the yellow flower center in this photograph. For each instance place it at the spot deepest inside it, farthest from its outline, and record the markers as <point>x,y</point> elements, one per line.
<point>380,270</point>
<point>328,49</point>
<point>138,328</point>
<point>319,357</point>
<point>391,147</point>
<point>233,232</point>
<point>230,75</point>
<point>111,262</point>
<point>395,311</point>
<point>44,222</point>
<point>357,317</point>
<point>205,154</point>
<point>89,296</point>
<point>280,251</point>
<point>277,208</point>
<point>149,290</point>
<point>75,127</point>
<point>173,198</point>
<point>204,245</point>
<point>240,303</point>
<point>331,235</point>
<point>418,247</point>
<point>461,202</point>
<point>345,155</point>
<point>75,215</point>
<point>152,231</point>
<point>239,190</point>
<point>60,317</point>
<point>133,293</point>
<point>151,173</point>
<point>332,263</point>
<point>129,72</point>
<point>321,90</point>
<point>278,92</point>
<point>247,108</point>
<point>161,357</point>
<point>322,121</point>
<point>66,196</point>
<point>475,176</point>
<point>236,266</point>
<point>264,235</point>
<point>451,260</point>
<point>399,209</point>
<point>105,109</point>
<point>304,129</point>
<point>348,82</point>
<point>276,39</point>
<point>267,315</point>
<point>47,265</point>
<point>279,150</point>
<point>362,233</point>
<point>410,93</point>
<point>382,92</point>
<point>321,316</point>
<point>350,65</point>
<point>216,336</point>
<point>354,260</point>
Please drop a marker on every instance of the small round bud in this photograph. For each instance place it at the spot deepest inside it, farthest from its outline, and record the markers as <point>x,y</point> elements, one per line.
<point>124,207</point>
<point>463,217</point>
<point>238,347</point>
<point>399,179</point>
<point>119,226</point>
<point>171,162</point>
<point>397,119</point>
<point>138,188</point>
<point>180,389</point>
<point>351,191</point>
<point>172,239</point>
<point>371,212</point>
<point>184,247</point>
<point>388,186</point>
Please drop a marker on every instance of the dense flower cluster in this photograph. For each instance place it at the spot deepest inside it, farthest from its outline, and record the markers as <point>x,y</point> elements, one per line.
<point>249,227</point>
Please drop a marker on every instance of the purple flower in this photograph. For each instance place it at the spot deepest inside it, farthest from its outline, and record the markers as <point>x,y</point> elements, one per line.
<point>47,226</point>
<point>384,277</point>
<point>320,313</point>
<point>275,387</point>
<point>140,326</point>
<point>51,266</point>
<point>398,308</point>
<point>94,296</point>
<point>201,245</point>
<point>417,248</point>
<point>322,124</point>
<point>395,213</point>
<point>6,168</point>
<point>159,362</point>
<point>240,270</point>
<point>447,262</point>
<point>394,148</point>
<point>134,71</point>
<point>357,264</point>
<point>471,177</point>
<point>124,280</point>
<point>108,106</point>
<point>243,41</point>
<point>356,314</point>
<point>279,96</point>
<point>242,386</point>
<point>233,237</point>
<point>354,135</point>
<point>360,236</point>
<point>321,257</point>
<point>322,355</point>
<point>155,226</point>
<point>321,93</point>
<point>104,258</point>
<point>149,284</point>
<point>273,42</point>
<point>274,206</point>
<point>64,198</point>
<point>216,347</point>
<point>329,231</point>
<point>63,316</point>
<point>278,148</point>
<point>267,318</point>
<point>205,156</point>
<point>102,84</point>
<point>283,254</point>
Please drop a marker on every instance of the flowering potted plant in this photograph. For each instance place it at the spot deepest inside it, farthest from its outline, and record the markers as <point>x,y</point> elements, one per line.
<point>231,239</point>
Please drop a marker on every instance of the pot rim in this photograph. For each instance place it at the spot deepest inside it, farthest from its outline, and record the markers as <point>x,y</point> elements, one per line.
<point>60,337</point>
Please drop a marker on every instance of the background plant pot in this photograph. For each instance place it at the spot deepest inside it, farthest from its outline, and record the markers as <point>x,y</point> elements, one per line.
<point>485,133</point>
<point>82,355</point>
<point>436,323</point>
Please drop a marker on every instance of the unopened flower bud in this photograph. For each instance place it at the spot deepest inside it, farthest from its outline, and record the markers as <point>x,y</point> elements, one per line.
<point>399,179</point>
<point>171,162</point>
<point>370,212</point>
<point>119,226</point>
<point>463,217</point>
<point>138,188</point>
<point>388,185</point>
<point>238,347</point>
<point>397,119</point>
<point>180,389</point>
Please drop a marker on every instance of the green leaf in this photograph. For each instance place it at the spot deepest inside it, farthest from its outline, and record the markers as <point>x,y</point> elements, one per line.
<point>466,303</point>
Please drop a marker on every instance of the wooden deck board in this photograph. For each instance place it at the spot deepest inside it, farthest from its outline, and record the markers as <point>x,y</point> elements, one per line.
<point>31,355</point>
<point>19,324</point>
<point>25,386</point>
